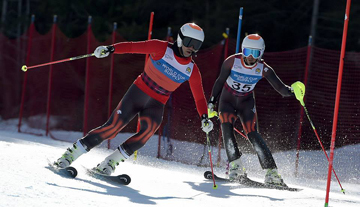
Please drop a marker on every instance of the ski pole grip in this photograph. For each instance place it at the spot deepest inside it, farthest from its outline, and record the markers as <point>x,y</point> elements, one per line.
<point>299,90</point>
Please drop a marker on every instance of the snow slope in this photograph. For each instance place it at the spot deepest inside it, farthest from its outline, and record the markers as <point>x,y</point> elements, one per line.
<point>25,180</point>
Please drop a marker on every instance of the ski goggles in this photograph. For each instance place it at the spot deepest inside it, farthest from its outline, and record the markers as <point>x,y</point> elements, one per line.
<point>254,52</point>
<point>188,42</point>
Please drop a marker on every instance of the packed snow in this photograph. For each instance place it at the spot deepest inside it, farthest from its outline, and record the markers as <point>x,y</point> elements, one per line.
<point>26,180</point>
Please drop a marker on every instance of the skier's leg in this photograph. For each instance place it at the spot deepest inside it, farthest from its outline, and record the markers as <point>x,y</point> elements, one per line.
<point>230,144</point>
<point>129,106</point>
<point>132,103</point>
<point>266,159</point>
<point>236,167</point>
<point>227,119</point>
<point>264,154</point>
<point>248,116</point>
<point>150,119</point>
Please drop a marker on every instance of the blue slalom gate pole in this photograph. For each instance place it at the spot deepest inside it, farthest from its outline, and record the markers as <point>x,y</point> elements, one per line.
<point>239,30</point>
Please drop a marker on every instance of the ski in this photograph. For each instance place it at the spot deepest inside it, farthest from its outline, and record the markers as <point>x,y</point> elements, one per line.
<point>119,179</point>
<point>68,172</point>
<point>250,183</point>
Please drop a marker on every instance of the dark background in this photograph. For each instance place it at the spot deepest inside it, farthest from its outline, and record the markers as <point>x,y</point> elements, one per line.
<point>285,25</point>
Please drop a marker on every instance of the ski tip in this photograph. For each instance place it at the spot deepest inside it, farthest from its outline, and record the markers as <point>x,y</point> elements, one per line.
<point>296,189</point>
<point>125,179</point>
<point>69,172</point>
<point>208,175</point>
<point>72,171</point>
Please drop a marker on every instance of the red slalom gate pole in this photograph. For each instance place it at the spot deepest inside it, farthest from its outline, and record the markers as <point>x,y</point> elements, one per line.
<point>150,32</point>
<point>146,58</point>
<point>337,99</point>
<point>31,31</point>
<point>111,70</point>
<point>308,57</point>
<point>48,111</point>
<point>226,45</point>
<point>111,77</point>
<point>86,100</point>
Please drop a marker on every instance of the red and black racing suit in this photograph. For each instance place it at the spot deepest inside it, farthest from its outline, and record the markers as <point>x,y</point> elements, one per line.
<point>236,83</point>
<point>164,71</point>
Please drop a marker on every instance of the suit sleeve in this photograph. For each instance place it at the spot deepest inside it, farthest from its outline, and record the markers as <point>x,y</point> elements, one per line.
<point>276,83</point>
<point>156,48</point>
<point>198,91</point>
<point>220,81</point>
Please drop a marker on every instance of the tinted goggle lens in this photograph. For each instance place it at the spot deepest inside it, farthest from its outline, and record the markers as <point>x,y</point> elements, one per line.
<point>254,52</point>
<point>188,42</point>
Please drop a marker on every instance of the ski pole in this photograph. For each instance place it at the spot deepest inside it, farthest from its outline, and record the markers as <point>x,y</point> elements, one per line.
<point>312,125</point>
<point>211,164</point>
<point>214,113</point>
<point>299,90</point>
<point>25,68</point>
<point>243,135</point>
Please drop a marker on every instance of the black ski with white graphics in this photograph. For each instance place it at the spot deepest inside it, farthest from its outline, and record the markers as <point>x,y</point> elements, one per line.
<point>118,179</point>
<point>68,172</point>
<point>250,183</point>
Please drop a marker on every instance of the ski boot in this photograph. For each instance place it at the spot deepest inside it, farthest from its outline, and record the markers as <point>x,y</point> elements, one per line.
<point>107,167</point>
<point>272,177</point>
<point>70,155</point>
<point>237,171</point>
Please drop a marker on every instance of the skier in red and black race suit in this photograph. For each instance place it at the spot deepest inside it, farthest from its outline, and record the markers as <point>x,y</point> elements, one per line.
<point>169,65</point>
<point>236,82</point>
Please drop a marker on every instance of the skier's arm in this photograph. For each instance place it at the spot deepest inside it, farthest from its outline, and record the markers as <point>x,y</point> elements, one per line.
<point>142,47</point>
<point>275,82</point>
<point>155,48</point>
<point>198,91</point>
<point>200,101</point>
<point>219,83</point>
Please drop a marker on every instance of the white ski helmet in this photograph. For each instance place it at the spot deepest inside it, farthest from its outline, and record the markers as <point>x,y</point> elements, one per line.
<point>190,34</point>
<point>254,45</point>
